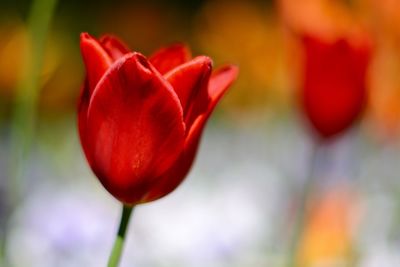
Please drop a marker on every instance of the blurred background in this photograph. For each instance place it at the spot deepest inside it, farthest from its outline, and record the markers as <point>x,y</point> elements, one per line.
<point>256,195</point>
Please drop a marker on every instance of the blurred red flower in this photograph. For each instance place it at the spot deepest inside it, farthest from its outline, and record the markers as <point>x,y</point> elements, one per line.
<point>334,89</point>
<point>141,119</point>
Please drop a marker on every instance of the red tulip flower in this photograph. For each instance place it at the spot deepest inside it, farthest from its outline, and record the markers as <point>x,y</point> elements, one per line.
<point>334,90</point>
<point>141,119</point>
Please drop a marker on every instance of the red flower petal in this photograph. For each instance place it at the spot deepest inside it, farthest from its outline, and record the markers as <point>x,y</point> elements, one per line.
<point>114,47</point>
<point>167,182</point>
<point>96,60</point>
<point>170,57</point>
<point>82,117</point>
<point>190,82</point>
<point>135,124</point>
<point>219,83</point>
<point>334,92</point>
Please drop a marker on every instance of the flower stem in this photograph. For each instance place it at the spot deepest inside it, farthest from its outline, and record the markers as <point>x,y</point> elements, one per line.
<point>28,91</point>
<point>301,213</point>
<point>22,126</point>
<point>118,246</point>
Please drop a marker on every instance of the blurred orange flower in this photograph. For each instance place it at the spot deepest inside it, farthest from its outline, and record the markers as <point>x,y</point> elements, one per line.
<point>384,80</point>
<point>324,18</point>
<point>328,235</point>
<point>250,36</point>
<point>13,48</point>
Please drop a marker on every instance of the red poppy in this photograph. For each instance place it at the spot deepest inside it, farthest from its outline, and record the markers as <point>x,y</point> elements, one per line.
<point>334,87</point>
<point>141,119</point>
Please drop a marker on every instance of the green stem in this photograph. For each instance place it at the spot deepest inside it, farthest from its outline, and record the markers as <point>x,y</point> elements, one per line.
<point>116,252</point>
<point>28,90</point>
<point>301,213</point>
<point>24,113</point>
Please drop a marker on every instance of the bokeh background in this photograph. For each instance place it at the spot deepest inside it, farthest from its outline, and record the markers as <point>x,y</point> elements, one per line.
<point>249,199</point>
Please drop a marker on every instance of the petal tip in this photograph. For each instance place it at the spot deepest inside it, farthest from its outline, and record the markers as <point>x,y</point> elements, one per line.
<point>204,61</point>
<point>233,68</point>
<point>85,36</point>
<point>140,62</point>
<point>86,40</point>
<point>221,80</point>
